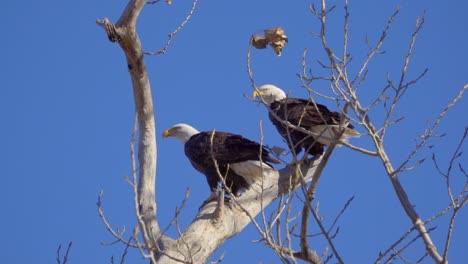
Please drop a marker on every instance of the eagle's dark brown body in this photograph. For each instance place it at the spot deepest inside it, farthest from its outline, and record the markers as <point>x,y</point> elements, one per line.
<point>227,149</point>
<point>307,115</point>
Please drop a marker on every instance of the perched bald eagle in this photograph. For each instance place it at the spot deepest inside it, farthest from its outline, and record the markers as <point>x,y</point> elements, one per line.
<point>323,124</point>
<point>240,161</point>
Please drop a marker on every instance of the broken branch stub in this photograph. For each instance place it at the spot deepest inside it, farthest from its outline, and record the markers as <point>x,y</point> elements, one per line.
<point>274,37</point>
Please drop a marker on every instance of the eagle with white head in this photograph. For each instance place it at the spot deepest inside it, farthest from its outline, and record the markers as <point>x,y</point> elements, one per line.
<point>320,126</point>
<point>239,161</point>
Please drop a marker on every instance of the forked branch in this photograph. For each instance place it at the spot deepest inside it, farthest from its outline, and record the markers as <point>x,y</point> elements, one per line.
<point>347,89</point>
<point>124,32</point>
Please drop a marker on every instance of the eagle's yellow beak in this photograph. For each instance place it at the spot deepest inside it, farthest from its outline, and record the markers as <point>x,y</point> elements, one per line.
<point>167,133</point>
<point>255,94</point>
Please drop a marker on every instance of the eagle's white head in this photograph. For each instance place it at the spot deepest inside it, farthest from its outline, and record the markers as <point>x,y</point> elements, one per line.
<point>269,93</point>
<point>182,132</point>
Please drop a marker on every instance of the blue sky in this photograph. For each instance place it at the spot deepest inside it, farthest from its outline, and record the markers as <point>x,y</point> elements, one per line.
<point>67,110</point>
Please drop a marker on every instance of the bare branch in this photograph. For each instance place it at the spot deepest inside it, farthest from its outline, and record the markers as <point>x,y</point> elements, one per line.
<point>178,210</point>
<point>65,257</point>
<point>220,222</point>
<point>394,245</point>
<point>341,213</point>
<point>147,237</point>
<point>398,253</point>
<point>118,235</point>
<point>422,257</point>
<point>219,211</point>
<point>345,37</point>
<point>310,195</point>
<point>153,2</point>
<point>430,132</point>
<point>124,32</point>
<point>348,92</point>
<point>276,184</point>
<point>249,69</point>
<point>112,31</point>
<point>124,254</point>
<point>130,14</point>
<point>376,50</point>
<point>454,201</point>
<point>409,209</point>
<point>318,220</point>
<point>220,259</point>
<point>172,35</point>
<point>402,87</point>
<point>413,228</point>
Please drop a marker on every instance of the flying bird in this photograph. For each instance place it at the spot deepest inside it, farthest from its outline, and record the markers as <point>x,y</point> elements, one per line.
<point>240,161</point>
<point>321,124</point>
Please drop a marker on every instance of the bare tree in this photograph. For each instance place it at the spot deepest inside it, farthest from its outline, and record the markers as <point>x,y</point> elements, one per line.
<point>204,230</point>
<point>285,231</point>
<point>345,91</point>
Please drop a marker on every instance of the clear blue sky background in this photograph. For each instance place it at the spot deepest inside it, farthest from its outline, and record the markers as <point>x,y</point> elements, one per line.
<point>67,112</point>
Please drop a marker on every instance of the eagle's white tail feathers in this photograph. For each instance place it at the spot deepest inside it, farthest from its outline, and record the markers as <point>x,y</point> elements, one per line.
<point>326,133</point>
<point>251,169</point>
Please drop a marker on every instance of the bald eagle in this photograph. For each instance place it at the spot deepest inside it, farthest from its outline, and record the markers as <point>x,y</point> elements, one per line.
<point>240,161</point>
<point>323,124</point>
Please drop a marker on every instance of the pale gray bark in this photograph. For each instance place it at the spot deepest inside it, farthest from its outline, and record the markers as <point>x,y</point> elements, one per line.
<point>124,32</point>
<point>207,232</point>
<point>215,224</point>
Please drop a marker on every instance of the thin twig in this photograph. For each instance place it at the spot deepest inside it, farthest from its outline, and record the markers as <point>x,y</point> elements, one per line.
<point>402,88</point>
<point>118,235</point>
<point>124,254</point>
<point>376,49</point>
<point>341,213</point>
<point>178,211</point>
<point>325,233</point>
<point>172,35</point>
<point>65,257</point>
<point>457,153</point>
<point>430,132</point>
<point>398,253</point>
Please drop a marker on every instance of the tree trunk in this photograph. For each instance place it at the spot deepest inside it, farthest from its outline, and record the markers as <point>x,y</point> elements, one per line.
<point>207,231</point>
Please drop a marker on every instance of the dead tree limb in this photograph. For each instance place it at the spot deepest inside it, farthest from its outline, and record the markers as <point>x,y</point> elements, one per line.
<point>124,33</point>
<point>204,235</point>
